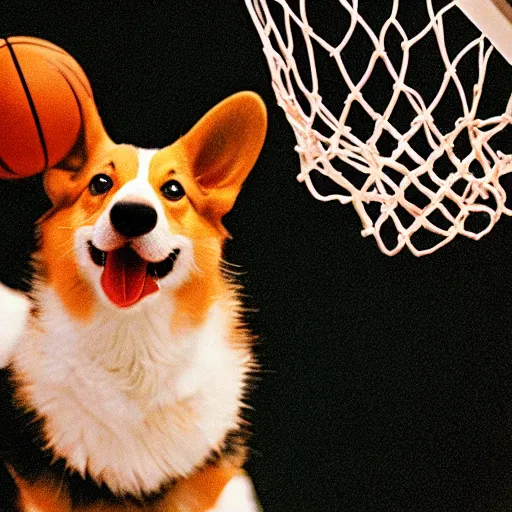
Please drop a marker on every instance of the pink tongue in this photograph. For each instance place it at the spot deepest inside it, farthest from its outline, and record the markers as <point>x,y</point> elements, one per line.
<point>124,278</point>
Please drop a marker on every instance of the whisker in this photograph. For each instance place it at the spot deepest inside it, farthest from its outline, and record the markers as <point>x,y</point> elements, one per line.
<point>60,487</point>
<point>88,221</point>
<point>69,251</point>
<point>197,268</point>
<point>210,245</point>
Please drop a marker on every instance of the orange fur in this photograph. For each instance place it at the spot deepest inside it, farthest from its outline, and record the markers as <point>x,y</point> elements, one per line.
<point>59,267</point>
<point>78,209</point>
<point>199,493</point>
<point>41,496</point>
<point>211,162</point>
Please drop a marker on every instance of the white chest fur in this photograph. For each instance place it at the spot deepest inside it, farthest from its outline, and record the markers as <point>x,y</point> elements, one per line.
<point>126,401</point>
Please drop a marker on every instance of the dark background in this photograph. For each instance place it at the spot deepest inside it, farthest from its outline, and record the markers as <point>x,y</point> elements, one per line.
<point>387,382</point>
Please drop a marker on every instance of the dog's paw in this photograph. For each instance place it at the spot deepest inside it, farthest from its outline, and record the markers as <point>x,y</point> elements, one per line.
<point>14,309</point>
<point>237,496</point>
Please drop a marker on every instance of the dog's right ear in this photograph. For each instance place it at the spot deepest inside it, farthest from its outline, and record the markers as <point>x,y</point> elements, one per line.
<point>63,182</point>
<point>222,148</point>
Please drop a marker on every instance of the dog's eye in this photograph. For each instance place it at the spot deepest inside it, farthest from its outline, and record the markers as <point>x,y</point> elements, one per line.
<point>100,184</point>
<point>172,190</point>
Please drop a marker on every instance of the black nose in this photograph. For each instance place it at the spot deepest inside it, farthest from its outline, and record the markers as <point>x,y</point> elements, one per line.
<point>133,219</point>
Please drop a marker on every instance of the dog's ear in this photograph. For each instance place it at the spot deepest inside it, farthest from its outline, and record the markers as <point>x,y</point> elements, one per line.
<point>63,182</point>
<point>223,147</point>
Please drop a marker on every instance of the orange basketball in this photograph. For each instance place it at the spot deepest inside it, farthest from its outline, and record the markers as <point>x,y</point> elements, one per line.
<point>41,87</point>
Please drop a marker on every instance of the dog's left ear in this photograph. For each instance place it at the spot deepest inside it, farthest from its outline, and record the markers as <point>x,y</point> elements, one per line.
<point>223,147</point>
<point>65,181</point>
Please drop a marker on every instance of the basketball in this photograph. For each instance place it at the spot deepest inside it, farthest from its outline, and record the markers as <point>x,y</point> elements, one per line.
<point>41,90</point>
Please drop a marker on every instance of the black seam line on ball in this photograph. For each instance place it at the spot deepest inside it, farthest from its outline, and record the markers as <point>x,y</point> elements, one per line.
<point>30,102</point>
<point>75,95</point>
<point>60,51</point>
<point>6,168</point>
<point>79,79</point>
<point>39,45</point>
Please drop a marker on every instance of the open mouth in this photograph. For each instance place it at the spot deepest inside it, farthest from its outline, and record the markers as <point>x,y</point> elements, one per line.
<point>126,277</point>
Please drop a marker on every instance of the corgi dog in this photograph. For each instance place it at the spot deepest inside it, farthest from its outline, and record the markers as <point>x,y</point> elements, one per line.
<point>124,370</point>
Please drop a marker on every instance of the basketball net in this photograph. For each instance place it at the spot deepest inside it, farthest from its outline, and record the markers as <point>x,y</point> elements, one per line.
<point>385,195</point>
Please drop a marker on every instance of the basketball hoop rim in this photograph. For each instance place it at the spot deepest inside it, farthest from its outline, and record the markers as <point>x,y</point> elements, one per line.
<point>494,19</point>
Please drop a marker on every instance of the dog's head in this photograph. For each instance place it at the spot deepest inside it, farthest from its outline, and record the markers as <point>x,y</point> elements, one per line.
<point>131,225</point>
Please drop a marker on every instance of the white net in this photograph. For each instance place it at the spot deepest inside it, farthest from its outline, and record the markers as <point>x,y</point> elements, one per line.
<point>412,172</point>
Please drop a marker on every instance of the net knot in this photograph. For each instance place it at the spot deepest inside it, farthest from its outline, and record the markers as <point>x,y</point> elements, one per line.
<point>396,158</point>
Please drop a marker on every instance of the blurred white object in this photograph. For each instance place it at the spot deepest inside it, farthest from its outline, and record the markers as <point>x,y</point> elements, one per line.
<point>14,310</point>
<point>237,496</point>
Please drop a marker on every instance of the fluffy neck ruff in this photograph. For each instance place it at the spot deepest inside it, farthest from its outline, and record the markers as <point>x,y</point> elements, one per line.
<point>125,398</point>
